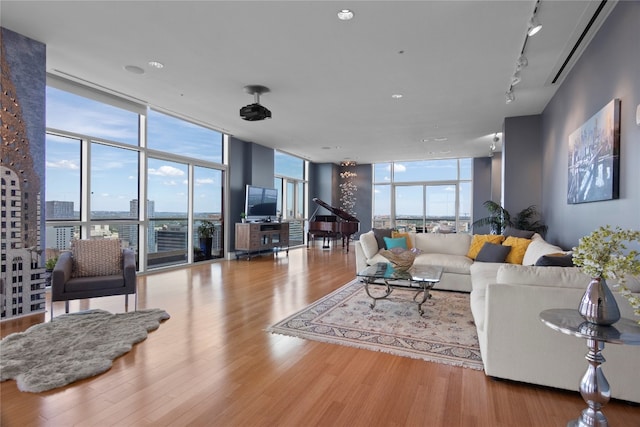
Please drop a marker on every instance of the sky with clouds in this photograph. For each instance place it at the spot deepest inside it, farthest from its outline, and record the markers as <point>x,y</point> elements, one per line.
<point>114,169</point>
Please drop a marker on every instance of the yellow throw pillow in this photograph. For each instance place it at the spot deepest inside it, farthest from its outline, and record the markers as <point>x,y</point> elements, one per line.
<point>479,240</point>
<point>395,234</point>
<point>518,248</point>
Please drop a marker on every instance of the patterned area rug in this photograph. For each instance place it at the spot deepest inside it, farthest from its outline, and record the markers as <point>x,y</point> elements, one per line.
<point>445,333</point>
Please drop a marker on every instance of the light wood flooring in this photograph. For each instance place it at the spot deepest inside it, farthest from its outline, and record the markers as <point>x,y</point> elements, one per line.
<point>213,364</point>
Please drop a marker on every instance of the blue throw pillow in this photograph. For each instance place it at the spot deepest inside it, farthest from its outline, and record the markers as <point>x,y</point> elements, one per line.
<point>395,242</point>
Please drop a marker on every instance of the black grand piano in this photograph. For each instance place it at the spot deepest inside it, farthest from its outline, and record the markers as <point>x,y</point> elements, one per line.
<point>340,225</point>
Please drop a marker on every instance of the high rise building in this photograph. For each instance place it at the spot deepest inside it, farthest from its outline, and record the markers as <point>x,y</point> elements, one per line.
<point>57,209</point>
<point>130,233</point>
<point>172,238</point>
<point>59,237</point>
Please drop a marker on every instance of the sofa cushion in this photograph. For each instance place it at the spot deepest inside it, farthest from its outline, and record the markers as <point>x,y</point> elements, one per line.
<point>514,232</point>
<point>380,234</point>
<point>518,248</point>
<point>555,260</point>
<point>395,242</point>
<point>478,241</point>
<point>452,244</point>
<point>483,273</point>
<point>492,252</point>
<point>536,249</point>
<point>102,257</point>
<point>561,277</point>
<point>459,264</point>
<point>369,244</point>
<point>395,234</point>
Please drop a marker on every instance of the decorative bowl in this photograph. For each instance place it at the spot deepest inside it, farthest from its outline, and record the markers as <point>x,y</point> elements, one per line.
<point>401,261</point>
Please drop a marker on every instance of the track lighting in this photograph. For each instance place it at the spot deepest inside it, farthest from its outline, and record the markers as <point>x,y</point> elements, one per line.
<point>510,97</point>
<point>534,26</point>
<point>534,23</point>
<point>522,62</point>
<point>516,78</point>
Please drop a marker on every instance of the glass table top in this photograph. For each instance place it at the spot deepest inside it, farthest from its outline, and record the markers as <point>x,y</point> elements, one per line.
<point>417,273</point>
<point>570,322</point>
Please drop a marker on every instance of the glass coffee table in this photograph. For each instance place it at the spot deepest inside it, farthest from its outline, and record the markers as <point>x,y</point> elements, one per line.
<point>420,278</point>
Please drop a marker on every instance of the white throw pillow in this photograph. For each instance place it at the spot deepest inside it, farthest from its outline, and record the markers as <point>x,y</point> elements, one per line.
<point>536,249</point>
<point>369,244</point>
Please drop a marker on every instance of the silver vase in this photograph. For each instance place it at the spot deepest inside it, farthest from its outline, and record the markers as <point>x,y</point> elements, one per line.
<point>598,304</point>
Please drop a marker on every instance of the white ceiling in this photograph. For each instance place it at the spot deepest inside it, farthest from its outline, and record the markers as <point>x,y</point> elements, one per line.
<point>331,81</point>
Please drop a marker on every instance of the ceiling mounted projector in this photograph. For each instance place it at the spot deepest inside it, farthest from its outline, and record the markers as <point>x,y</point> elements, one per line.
<point>254,112</point>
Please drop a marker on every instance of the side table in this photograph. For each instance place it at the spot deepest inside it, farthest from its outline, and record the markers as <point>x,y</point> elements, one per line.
<point>594,387</point>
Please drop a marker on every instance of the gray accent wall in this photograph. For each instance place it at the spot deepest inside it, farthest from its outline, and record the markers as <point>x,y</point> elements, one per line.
<point>482,189</point>
<point>521,163</point>
<point>324,183</point>
<point>609,68</point>
<point>249,163</point>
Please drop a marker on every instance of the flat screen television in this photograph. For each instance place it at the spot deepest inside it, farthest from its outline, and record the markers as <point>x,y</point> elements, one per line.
<point>260,203</point>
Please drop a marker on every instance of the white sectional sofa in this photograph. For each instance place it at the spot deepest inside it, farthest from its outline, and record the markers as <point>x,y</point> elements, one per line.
<point>446,250</point>
<point>506,301</point>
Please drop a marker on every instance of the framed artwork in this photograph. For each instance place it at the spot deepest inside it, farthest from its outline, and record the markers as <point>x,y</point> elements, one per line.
<point>594,157</point>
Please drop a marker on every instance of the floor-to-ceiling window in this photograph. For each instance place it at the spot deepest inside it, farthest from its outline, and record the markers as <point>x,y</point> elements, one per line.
<point>290,181</point>
<point>425,196</point>
<point>185,179</point>
<point>116,170</point>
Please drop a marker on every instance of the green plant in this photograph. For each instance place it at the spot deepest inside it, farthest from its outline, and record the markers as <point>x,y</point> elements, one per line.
<point>206,229</point>
<point>50,264</point>
<point>499,219</point>
<point>243,215</point>
<point>529,219</point>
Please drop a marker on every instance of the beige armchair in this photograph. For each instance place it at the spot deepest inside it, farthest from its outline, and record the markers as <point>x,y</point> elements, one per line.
<point>80,277</point>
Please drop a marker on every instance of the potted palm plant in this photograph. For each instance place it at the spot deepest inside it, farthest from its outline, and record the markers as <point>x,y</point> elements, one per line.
<point>499,219</point>
<point>205,235</point>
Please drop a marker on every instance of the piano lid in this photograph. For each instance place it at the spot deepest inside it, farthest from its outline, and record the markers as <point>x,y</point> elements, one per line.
<point>342,214</point>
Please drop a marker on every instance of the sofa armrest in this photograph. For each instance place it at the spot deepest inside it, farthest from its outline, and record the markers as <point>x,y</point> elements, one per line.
<point>129,269</point>
<point>63,269</point>
<point>361,259</point>
<point>516,345</point>
<point>61,274</point>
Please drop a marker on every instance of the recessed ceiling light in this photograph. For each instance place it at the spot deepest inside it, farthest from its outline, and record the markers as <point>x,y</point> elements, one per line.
<point>345,15</point>
<point>134,69</point>
<point>156,64</point>
<point>396,96</point>
<point>441,139</point>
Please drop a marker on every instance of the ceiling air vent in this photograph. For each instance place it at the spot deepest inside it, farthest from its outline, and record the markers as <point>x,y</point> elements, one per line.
<point>595,14</point>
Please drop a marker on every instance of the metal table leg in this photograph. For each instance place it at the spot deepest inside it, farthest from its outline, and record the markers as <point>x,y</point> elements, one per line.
<point>594,389</point>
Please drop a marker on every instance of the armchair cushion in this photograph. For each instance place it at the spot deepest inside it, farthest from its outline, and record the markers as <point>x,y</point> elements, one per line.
<point>96,258</point>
